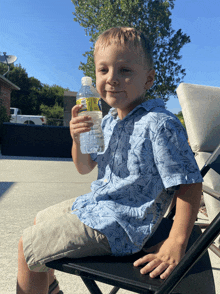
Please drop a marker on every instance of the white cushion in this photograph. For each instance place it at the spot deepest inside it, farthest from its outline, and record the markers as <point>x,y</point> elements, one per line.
<point>201,112</point>
<point>212,180</point>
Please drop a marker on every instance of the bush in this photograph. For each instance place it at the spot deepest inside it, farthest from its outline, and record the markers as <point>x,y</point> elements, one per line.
<point>53,114</point>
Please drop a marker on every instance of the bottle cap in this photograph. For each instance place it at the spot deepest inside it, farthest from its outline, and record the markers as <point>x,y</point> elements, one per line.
<point>86,81</point>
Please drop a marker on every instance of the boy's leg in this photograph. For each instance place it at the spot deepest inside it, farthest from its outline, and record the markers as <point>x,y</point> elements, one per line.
<point>28,281</point>
<point>54,236</point>
<point>51,273</point>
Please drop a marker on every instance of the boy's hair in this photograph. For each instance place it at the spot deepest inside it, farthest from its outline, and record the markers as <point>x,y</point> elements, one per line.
<point>126,36</point>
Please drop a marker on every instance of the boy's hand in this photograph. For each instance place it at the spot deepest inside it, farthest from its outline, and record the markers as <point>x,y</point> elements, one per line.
<point>165,257</point>
<point>79,124</point>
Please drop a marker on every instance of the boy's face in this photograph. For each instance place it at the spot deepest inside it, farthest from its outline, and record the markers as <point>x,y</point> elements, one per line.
<point>122,78</point>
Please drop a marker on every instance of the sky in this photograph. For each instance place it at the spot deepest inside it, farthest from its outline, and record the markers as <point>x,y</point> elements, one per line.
<point>49,44</point>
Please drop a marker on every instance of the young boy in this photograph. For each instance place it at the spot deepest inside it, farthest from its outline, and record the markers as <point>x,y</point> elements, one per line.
<point>146,154</point>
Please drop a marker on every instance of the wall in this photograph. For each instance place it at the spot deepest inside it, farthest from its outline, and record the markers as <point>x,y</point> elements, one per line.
<point>69,101</point>
<point>5,95</point>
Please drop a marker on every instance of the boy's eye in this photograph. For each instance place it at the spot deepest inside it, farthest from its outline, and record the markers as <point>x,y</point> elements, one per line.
<point>103,70</point>
<point>125,70</point>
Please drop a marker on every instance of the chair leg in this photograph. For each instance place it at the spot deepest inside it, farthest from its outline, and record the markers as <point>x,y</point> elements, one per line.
<point>114,290</point>
<point>91,286</point>
<point>215,250</point>
<point>212,247</point>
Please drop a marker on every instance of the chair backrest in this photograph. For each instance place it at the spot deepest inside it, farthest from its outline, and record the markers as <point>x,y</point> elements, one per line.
<point>201,111</point>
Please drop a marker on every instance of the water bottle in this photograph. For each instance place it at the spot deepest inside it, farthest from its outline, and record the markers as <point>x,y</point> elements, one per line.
<point>92,141</point>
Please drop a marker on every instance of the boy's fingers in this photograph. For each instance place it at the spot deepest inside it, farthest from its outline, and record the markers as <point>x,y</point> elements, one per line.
<point>159,269</point>
<point>75,110</point>
<point>79,119</point>
<point>155,266</point>
<point>150,266</point>
<point>144,259</point>
<point>167,272</point>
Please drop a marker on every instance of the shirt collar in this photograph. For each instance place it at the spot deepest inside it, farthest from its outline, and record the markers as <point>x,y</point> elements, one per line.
<point>147,105</point>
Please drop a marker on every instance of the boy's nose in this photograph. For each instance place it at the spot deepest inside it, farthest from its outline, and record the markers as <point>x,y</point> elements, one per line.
<point>112,79</point>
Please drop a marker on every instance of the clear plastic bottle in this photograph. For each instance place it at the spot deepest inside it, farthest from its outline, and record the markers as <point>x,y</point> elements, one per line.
<point>92,141</point>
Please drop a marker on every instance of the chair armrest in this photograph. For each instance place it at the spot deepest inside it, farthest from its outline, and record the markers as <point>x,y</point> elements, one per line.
<point>211,192</point>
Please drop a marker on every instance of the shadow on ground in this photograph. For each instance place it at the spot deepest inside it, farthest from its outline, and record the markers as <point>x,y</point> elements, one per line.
<point>4,186</point>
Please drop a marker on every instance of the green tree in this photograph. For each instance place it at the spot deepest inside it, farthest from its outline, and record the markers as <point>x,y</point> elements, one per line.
<point>153,18</point>
<point>22,99</point>
<point>180,117</point>
<point>3,68</point>
<point>35,88</point>
<point>32,92</point>
<point>50,95</point>
<point>54,114</point>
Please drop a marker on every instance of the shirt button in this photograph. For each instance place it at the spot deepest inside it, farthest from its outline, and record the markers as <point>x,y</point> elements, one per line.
<point>105,180</point>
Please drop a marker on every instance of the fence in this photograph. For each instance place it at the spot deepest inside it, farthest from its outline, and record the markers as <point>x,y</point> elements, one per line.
<point>33,140</point>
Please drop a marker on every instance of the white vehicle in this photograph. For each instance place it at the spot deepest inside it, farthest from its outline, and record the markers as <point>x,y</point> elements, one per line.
<point>18,118</point>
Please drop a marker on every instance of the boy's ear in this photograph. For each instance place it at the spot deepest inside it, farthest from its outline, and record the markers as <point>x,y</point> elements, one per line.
<point>150,79</point>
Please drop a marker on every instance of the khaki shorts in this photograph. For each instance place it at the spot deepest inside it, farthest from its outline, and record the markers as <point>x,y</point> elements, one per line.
<point>58,234</point>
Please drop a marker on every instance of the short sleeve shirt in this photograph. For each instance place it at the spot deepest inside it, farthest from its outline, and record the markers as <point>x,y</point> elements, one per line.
<point>145,153</point>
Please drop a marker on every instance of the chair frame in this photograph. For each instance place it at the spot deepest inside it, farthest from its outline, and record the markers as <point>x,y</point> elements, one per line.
<point>157,286</point>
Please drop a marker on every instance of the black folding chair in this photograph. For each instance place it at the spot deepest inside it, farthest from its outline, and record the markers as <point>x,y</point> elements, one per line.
<point>192,275</point>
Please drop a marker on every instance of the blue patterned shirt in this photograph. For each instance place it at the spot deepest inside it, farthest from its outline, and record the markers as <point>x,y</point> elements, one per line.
<point>145,153</point>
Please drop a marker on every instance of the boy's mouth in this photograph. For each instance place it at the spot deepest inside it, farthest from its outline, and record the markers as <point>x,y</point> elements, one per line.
<point>114,92</point>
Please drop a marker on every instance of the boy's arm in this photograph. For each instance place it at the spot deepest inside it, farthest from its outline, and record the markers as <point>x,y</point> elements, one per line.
<point>78,125</point>
<point>169,252</point>
<point>83,162</point>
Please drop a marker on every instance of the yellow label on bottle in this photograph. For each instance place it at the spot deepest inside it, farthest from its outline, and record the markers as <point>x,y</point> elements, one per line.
<point>90,104</point>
